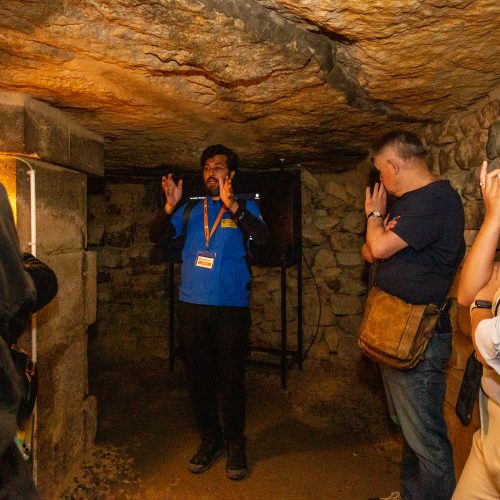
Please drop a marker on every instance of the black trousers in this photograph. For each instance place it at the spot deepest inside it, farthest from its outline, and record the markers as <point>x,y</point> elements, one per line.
<point>214,341</point>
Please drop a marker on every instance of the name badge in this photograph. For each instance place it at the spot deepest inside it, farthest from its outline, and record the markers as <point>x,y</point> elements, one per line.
<point>205,259</point>
<point>228,223</point>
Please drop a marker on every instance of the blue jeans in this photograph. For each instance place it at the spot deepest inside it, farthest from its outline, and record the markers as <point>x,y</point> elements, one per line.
<point>415,398</point>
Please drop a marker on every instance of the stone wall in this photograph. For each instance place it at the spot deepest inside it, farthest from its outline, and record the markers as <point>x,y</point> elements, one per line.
<point>66,411</point>
<point>333,287</point>
<point>457,147</point>
<point>132,305</point>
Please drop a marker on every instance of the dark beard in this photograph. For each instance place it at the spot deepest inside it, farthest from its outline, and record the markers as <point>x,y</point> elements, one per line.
<point>212,191</point>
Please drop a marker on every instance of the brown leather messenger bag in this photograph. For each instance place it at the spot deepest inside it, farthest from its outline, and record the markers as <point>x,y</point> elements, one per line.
<point>394,332</point>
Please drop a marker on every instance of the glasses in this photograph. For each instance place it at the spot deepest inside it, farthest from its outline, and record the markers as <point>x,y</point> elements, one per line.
<point>216,168</point>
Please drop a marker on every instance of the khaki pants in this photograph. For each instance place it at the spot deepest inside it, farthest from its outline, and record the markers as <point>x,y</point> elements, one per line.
<point>480,479</point>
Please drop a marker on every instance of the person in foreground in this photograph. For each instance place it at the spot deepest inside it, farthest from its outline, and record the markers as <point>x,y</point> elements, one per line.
<point>479,288</point>
<point>213,312</point>
<point>419,245</point>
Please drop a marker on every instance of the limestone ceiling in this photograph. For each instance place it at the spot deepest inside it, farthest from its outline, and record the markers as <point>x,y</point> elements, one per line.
<point>313,81</point>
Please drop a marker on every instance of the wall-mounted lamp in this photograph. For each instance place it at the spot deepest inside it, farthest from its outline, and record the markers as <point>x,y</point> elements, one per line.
<point>8,179</point>
<point>8,173</point>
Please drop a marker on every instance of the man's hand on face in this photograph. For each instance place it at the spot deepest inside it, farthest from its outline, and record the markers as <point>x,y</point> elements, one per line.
<point>226,194</point>
<point>173,192</point>
<point>376,200</point>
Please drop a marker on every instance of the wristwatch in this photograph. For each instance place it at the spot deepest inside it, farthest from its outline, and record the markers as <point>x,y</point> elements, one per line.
<point>480,304</point>
<point>374,213</point>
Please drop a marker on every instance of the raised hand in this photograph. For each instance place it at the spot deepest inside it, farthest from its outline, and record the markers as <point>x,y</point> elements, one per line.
<point>490,188</point>
<point>226,194</point>
<point>478,265</point>
<point>376,200</point>
<point>173,192</point>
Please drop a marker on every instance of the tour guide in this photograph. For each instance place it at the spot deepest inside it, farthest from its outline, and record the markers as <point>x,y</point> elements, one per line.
<point>213,312</point>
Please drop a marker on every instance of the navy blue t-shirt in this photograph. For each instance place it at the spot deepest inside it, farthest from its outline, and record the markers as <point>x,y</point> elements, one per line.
<point>431,220</point>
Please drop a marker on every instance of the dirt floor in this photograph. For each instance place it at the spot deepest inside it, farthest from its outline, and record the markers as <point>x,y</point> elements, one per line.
<point>327,437</point>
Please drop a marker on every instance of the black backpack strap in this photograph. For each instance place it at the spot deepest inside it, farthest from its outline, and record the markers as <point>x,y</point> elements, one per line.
<point>246,241</point>
<point>242,203</point>
<point>187,213</point>
<point>185,217</point>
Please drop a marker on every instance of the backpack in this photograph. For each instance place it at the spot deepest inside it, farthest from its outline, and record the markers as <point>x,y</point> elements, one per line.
<point>172,249</point>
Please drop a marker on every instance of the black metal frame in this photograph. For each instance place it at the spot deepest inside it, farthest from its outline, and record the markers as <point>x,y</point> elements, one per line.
<point>287,356</point>
<point>171,317</point>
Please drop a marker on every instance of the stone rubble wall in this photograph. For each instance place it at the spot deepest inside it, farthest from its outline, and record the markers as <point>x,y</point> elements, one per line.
<point>132,315</point>
<point>333,223</point>
<point>457,148</point>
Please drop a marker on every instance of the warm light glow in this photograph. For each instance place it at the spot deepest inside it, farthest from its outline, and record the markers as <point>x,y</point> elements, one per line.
<point>8,179</point>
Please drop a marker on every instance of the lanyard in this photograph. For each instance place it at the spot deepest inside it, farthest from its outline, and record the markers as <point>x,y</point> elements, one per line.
<point>205,220</point>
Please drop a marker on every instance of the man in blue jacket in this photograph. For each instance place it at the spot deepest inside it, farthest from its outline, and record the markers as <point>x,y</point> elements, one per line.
<point>213,312</point>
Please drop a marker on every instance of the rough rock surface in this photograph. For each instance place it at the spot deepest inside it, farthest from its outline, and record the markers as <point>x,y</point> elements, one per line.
<point>419,58</point>
<point>308,80</point>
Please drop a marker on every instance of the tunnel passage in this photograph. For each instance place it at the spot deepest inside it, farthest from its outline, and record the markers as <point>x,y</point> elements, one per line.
<point>129,91</point>
<point>130,331</point>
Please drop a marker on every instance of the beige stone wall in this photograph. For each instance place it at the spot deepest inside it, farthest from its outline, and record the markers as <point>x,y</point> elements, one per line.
<point>333,287</point>
<point>132,316</point>
<point>66,411</point>
<point>458,146</point>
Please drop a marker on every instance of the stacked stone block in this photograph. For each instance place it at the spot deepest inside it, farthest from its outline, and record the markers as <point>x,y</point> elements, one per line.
<point>132,310</point>
<point>67,153</point>
<point>333,284</point>
<point>133,314</point>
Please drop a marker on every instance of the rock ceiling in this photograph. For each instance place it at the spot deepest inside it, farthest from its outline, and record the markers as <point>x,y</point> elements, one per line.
<point>312,81</point>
